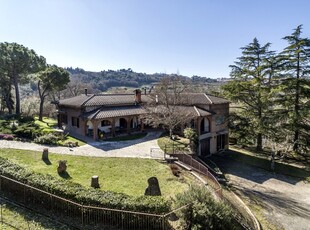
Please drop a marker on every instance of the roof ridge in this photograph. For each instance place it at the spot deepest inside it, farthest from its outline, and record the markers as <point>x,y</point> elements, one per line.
<point>197,111</point>
<point>87,100</point>
<point>98,111</point>
<point>208,98</point>
<point>113,94</point>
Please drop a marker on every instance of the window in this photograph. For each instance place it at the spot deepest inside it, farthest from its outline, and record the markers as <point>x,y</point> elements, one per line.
<point>105,123</point>
<point>75,121</point>
<point>219,120</point>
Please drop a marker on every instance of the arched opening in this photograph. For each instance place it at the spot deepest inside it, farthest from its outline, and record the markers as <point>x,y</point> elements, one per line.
<point>105,123</point>
<point>122,123</point>
<point>205,125</point>
<point>89,129</point>
<point>192,124</point>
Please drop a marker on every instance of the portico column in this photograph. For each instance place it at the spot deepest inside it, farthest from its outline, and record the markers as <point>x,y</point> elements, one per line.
<point>142,125</point>
<point>113,127</point>
<point>198,120</point>
<point>128,119</point>
<point>95,129</point>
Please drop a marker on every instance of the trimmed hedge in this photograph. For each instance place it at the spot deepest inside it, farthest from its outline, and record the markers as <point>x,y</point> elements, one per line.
<point>78,193</point>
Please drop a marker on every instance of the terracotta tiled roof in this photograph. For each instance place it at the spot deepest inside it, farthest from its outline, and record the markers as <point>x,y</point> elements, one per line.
<point>129,99</point>
<point>185,110</point>
<point>110,99</point>
<point>75,101</point>
<point>203,112</point>
<point>196,99</point>
<point>117,111</point>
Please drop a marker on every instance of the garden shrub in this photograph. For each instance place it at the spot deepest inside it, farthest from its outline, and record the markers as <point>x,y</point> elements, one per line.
<point>86,196</point>
<point>47,139</point>
<point>26,119</point>
<point>8,137</point>
<point>175,170</point>
<point>203,211</point>
<point>5,127</point>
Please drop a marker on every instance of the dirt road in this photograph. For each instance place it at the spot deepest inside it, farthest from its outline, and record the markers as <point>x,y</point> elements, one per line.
<point>278,201</point>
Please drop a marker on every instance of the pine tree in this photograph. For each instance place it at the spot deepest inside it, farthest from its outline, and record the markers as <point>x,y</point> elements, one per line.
<point>251,86</point>
<point>294,90</point>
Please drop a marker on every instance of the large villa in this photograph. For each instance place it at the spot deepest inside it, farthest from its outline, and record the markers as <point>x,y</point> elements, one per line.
<point>103,115</point>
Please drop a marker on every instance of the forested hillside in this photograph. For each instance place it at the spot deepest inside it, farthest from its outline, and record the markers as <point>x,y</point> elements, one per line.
<point>104,80</point>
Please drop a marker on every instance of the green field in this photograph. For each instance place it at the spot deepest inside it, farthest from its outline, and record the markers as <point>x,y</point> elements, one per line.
<point>125,175</point>
<point>16,217</point>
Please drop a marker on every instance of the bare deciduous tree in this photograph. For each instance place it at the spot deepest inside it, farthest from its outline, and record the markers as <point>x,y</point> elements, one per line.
<point>168,107</point>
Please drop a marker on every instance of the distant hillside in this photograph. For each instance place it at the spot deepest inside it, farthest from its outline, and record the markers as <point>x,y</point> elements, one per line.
<point>104,80</point>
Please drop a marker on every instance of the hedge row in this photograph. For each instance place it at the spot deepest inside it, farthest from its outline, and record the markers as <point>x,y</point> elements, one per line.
<point>86,196</point>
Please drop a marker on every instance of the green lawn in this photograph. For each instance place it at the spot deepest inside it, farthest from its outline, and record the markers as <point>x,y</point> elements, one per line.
<point>126,175</point>
<point>15,217</point>
<point>166,144</point>
<point>48,125</point>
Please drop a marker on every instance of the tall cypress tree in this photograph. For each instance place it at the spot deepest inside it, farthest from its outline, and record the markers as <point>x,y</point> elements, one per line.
<point>250,88</point>
<point>295,89</point>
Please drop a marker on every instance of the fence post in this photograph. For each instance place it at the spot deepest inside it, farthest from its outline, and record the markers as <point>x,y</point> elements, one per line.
<point>1,211</point>
<point>82,209</point>
<point>163,222</point>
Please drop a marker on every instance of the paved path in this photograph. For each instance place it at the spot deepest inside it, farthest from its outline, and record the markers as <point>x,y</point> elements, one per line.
<point>133,148</point>
<point>283,201</point>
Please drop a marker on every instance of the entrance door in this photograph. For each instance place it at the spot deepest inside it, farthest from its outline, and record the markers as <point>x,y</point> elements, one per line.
<point>220,142</point>
<point>205,147</point>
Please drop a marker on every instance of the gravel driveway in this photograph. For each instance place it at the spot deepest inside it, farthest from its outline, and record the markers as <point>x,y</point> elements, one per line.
<point>280,202</point>
<point>134,148</point>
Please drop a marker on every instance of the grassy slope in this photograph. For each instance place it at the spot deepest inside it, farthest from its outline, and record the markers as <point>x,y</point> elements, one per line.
<point>165,143</point>
<point>16,217</point>
<point>48,125</point>
<point>126,175</point>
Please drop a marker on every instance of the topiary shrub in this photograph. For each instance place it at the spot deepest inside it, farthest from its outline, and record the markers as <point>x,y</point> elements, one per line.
<point>47,139</point>
<point>203,211</point>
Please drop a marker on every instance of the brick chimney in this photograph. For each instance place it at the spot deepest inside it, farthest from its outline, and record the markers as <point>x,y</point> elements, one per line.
<point>138,95</point>
<point>85,91</point>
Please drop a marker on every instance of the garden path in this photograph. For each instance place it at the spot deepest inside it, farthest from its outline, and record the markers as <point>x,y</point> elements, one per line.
<point>132,148</point>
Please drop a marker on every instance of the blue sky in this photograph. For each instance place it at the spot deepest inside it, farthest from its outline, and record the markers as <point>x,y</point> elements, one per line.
<point>193,37</point>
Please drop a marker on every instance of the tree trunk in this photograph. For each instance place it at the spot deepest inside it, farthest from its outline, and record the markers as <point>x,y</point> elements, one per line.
<point>259,142</point>
<point>41,109</point>
<point>297,108</point>
<point>8,103</point>
<point>17,96</point>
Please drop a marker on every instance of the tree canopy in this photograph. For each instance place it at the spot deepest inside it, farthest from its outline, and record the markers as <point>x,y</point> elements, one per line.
<point>271,92</point>
<point>53,78</point>
<point>16,63</point>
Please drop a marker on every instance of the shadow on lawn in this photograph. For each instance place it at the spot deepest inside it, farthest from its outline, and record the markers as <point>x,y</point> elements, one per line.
<point>47,161</point>
<point>65,175</point>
